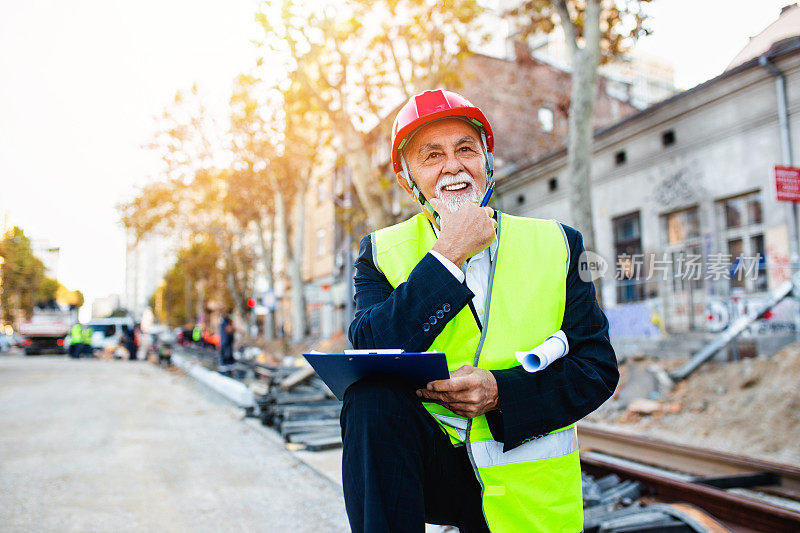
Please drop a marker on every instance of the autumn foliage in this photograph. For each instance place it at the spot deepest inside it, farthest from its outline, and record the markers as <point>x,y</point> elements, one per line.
<point>321,95</point>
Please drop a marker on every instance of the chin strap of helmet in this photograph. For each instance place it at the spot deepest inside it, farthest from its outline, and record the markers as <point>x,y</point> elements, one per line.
<point>489,170</point>
<point>426,205</point>
<point>423,202</point>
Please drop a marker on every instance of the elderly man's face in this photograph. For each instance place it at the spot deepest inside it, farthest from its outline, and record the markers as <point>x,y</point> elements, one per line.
<point>447,162</point>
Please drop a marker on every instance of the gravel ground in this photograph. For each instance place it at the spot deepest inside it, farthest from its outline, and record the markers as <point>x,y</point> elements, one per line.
<point>90,445</point>
<point>749,407</point>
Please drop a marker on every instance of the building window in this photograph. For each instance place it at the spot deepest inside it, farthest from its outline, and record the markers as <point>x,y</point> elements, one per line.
<point>668,138</point>
<point>546,119</point>
<point>620,157</point>
<point>313,319</point>
<point>320,242</point>
<point>743,241</point>
<point>683,249</point>
<point>682,226</point>
<point>742,211</point>
<point>629,258</point>
<point>552,184</point>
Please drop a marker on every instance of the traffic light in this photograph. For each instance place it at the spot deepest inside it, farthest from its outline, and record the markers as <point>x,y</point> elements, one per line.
<point>251,302</point>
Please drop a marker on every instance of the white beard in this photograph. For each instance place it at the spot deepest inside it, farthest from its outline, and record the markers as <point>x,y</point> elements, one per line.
<point>454,201</point>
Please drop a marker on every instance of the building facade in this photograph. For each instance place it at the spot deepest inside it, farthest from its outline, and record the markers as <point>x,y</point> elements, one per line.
<point>331,243</point>
<point>146,262</point>
<point>684,206</point>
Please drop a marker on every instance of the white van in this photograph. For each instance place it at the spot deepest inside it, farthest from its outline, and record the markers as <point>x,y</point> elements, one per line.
<point>108,331</point>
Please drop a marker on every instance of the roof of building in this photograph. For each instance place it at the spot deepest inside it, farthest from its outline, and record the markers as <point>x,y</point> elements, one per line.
<point>778,49</point>
<point>787,25</point>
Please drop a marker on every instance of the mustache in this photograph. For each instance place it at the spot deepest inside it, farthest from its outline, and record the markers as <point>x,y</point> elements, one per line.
<point>450,180</point>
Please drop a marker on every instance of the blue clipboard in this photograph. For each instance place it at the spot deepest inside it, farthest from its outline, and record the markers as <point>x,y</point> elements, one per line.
<point>340,370</point>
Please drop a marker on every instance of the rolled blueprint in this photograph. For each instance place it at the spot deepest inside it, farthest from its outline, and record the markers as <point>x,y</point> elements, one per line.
<point>539,358</point>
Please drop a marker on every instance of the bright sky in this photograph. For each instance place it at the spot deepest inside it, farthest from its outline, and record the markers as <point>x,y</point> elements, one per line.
<point>701,37</point>
<point>81,81</point>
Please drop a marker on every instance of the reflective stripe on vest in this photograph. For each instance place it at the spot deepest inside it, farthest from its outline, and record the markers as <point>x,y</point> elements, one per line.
<point>535,487</point>
<point>557,444</point>
<point>459,425</point>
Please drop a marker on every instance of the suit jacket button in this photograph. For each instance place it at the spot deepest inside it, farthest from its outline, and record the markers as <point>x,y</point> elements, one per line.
<point>426,326</point>
<point>439,314</point>
<point>432,320</point>
<point>446,308</point>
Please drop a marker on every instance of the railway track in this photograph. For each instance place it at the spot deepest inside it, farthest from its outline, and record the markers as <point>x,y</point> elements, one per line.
<point>746,494</point>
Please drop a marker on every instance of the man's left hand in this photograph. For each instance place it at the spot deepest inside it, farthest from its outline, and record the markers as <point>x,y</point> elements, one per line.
<point>469,392</point>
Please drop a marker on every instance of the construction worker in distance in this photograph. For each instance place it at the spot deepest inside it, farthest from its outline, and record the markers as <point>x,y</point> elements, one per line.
<point>197,334</point>
<point>75,340</point>
<point>493,447</point>
<point>226,337</point>
<point>86,346</point>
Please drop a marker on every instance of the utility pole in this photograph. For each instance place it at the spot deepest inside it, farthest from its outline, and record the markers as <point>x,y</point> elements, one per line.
<point>788,160</point>
<point>786,151</point>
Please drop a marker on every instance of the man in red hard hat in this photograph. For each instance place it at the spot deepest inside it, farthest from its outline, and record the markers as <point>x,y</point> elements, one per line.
<point>493,447</point>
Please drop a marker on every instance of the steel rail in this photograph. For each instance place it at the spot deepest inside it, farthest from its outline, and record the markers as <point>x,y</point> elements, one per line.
<point>742,513</point>
<point>688,459</point>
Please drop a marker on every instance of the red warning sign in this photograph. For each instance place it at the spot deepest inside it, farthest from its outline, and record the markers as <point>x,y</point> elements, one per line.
<point>787,183</point>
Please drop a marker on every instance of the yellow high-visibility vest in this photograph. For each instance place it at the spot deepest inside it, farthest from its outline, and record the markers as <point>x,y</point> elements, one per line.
<point>535,487</point>
<point>76,334</point>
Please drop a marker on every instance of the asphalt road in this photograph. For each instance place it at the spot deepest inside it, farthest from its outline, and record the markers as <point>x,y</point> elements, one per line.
<point>89,445</point>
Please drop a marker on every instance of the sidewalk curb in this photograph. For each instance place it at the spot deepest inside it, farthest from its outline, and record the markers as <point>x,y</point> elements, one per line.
<point>233,390</point>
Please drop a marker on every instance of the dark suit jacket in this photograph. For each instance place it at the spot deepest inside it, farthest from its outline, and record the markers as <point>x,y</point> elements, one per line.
<point>531,405</point>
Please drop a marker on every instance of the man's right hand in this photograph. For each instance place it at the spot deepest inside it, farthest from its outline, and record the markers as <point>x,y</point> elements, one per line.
<point>464,233</point>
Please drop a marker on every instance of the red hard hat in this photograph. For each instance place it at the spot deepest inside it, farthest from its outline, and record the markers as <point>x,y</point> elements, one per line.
<point>427,107</point>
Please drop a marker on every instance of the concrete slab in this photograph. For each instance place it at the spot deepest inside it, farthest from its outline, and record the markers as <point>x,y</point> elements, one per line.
<point>89,445</point>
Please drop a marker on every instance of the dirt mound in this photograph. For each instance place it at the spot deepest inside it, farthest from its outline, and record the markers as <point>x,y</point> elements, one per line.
<point>750,407</point>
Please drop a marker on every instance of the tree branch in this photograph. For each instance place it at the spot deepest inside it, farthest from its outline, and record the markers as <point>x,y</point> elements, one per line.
<point>568,25</point>
<point>398,70</point>
<point>591,31</point>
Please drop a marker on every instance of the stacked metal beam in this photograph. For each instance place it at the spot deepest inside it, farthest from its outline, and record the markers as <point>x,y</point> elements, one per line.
<point>301,408</point>
<point>612,505</point>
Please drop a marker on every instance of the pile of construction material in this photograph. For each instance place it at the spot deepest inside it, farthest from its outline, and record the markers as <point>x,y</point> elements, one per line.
<point>300,407</point>
<point>612,505</point>
<point>730,406</point>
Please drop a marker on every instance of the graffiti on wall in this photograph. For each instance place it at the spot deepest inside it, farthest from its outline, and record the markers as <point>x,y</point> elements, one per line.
<point>677,187</point>
<point>722,312</point>
<point>634,320</point>
<point>777,250</point>
<point>643,320</point>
